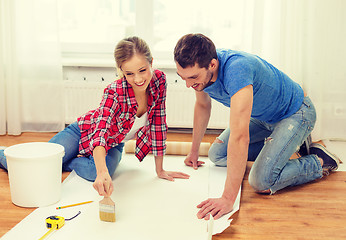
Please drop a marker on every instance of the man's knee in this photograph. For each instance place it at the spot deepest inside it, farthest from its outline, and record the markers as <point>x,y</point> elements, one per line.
<point>220,162</point>
<point>259,181</point>
<point>216,155</point>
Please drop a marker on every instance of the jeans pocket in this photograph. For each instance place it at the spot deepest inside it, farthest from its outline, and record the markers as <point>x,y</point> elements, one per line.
<point>309,117</point>
<point>307,102</point>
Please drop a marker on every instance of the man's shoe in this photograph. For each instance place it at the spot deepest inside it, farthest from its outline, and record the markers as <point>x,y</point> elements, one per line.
<point>330,161</point>
<point>305,147</point>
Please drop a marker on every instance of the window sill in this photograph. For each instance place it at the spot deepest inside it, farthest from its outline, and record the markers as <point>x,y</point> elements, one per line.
<point>108,62</point>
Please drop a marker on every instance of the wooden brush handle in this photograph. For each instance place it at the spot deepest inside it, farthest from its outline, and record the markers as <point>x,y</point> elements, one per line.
<point>107,201</point>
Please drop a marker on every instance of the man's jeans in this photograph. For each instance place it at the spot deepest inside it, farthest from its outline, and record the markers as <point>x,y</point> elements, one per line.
<point>84,166</point>
<point>271,146</point>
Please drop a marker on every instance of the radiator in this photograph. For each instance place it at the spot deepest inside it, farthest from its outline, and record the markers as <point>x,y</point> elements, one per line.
<point>82,96</point>
<point>180,108</point>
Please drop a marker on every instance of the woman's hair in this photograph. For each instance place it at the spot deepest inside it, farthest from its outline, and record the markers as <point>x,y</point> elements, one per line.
<point>130,46</point>
<point>194,48</point>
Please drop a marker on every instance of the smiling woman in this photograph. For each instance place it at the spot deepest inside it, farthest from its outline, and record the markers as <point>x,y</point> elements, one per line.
<point>130,108</point>
<point>137,72</point>
<point>135,64</point>
<point>134,61</point>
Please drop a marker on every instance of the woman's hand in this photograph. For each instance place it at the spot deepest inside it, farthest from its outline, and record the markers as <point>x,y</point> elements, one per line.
<point>170,176</point>
<point>103,184</point>
<point>167,174</point>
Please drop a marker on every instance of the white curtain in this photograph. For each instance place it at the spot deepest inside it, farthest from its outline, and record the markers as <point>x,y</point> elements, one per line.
<point>306,39</point>
<point>30,67</point>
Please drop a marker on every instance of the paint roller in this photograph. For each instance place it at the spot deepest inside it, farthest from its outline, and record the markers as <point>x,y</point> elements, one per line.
<point>173,148</point>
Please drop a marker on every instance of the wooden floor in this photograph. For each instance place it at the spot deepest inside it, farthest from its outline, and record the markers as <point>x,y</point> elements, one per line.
<point>313,211</point>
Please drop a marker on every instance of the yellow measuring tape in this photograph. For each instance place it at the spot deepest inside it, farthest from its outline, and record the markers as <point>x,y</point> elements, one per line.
<point>55,223</point>
<point>47,233</point>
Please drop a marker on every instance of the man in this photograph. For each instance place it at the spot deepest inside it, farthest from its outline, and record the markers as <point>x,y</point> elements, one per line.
<point>270,118</point>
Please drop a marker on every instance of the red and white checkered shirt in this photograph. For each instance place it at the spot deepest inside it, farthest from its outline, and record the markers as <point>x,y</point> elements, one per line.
<point>108,125</point>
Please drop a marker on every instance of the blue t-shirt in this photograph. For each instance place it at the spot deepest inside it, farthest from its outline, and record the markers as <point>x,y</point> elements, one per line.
<point>275,95</point>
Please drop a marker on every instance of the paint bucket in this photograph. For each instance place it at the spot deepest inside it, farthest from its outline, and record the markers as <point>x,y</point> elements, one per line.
<point>34,171</point>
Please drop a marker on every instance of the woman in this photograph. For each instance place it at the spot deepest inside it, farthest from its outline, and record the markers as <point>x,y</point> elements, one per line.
<point>132,107</point>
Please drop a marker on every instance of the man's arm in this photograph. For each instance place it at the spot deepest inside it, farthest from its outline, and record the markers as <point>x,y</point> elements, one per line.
<point>238,143</point>
<point>237,153</point>
<point>200,123</point>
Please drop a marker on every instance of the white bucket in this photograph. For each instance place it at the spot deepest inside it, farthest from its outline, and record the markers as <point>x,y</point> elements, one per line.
<point>34,171</point>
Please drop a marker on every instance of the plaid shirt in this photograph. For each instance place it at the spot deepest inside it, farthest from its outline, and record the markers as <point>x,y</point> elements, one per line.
<point>108,125</point>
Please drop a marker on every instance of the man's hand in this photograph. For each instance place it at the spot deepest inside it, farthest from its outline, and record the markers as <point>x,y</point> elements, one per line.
<point>217,207</point>
<point>103,184</point>
<point>192,161</point>
<point>170,176</point>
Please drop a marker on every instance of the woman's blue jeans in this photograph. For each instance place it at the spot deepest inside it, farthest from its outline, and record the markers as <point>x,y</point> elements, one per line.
<point>83,166</point>
<point>271,146</point>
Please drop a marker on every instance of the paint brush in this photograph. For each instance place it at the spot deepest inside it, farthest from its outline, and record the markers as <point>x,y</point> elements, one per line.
<point>107,210</point>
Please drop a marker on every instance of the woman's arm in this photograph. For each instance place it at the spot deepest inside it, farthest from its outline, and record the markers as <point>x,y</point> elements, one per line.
<point>109,106</point>
<point>103,183</point>
<point>158,128</point>
<point>158,134</point>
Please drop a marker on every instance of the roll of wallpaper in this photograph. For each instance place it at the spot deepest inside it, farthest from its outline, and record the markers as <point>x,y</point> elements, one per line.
<point>173,148</point>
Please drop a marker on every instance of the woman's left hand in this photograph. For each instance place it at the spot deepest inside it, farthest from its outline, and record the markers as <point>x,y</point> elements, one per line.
<point>170,176</point>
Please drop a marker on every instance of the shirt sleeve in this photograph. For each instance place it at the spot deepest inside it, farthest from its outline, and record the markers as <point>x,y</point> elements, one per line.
<point>159,124</point>
<point>103,118</point>
<point>239,73</point>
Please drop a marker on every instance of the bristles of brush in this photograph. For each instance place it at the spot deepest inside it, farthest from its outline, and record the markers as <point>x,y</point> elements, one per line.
<point>107,217</point>
<point>107,210</point>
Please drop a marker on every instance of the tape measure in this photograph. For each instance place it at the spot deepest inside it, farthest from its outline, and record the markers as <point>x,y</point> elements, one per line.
<point>55,223</point>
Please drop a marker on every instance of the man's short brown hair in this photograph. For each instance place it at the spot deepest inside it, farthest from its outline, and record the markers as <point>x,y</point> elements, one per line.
<point>194,48</point>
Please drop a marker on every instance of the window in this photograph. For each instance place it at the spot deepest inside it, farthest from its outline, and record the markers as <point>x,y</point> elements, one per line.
<point>89,27</point>
<point>93,26</point>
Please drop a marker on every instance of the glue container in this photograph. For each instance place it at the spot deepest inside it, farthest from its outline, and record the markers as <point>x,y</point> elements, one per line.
<point>34,171</point>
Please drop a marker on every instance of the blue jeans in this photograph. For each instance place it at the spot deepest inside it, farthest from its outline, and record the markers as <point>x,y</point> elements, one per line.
<point>271,146</point>
<point>83,166</point>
